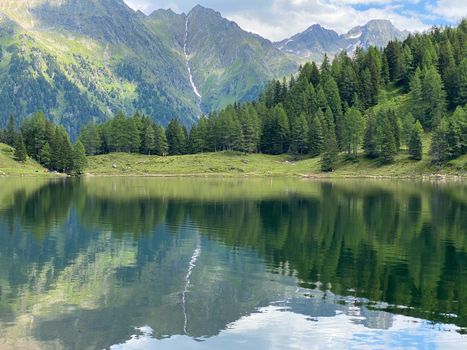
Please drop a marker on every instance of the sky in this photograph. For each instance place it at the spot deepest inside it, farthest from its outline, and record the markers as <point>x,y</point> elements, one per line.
<point>280,19</point>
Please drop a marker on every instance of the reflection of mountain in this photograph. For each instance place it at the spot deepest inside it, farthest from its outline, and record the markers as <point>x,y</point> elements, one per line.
<point>100,262</point>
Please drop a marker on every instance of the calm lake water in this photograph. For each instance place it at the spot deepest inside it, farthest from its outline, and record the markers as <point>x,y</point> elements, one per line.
<point>138,263</point>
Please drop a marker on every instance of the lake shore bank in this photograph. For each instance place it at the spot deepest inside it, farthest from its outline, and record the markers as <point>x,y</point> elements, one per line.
<point>241,165</point>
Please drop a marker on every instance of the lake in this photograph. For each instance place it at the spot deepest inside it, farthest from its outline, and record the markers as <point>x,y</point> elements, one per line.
<point>147,263</point>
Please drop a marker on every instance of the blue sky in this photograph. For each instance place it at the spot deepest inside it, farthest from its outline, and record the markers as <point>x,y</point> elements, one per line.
<point>279,19</point>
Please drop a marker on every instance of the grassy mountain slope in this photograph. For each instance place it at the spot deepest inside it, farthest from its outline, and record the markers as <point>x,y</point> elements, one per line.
<point>82,60</point>
<point>9,166</point>
<point>228,64</point>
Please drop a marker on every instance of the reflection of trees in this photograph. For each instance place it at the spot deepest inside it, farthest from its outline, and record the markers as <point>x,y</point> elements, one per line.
<point>394,243</point>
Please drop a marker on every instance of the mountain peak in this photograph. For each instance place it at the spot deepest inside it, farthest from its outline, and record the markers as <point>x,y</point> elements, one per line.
<point>201,10</point>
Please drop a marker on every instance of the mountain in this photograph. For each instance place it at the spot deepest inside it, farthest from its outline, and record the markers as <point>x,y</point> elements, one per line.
<point>313,43</point>
<point>226,63</point>
<point>316,41</point>
<point>82,60</point>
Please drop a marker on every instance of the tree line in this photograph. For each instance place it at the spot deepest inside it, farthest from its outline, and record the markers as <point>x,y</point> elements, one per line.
<point>323,111</point>
<point>45,142</point>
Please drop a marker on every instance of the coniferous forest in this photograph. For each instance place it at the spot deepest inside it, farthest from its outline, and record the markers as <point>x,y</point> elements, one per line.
<point>378,100</point>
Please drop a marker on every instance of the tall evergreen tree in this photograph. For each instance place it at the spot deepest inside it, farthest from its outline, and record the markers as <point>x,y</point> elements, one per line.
<point>330,148</point>
<point>415,143</point>
<point>352,132</point>
<point>11,133</point>
<point>315,136</point>
<point>20,151</point>
<point>299,135</point>
<point>79,158</point>
<point>175,137</point>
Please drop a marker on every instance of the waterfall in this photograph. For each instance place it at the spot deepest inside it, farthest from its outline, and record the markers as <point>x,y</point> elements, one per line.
<point>187,58</point>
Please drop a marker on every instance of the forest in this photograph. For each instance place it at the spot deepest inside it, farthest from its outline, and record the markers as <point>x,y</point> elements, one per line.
<point>337,108</point>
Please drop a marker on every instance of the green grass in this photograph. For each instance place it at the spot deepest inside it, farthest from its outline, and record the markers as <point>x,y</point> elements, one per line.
<point>9,166</point>
<point>239,164</point>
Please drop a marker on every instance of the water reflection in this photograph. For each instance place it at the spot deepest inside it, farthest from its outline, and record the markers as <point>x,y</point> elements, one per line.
<point>85,264</point>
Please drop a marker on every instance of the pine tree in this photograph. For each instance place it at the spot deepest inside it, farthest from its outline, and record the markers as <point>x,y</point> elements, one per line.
<point>461,98</point>
<point>90,138</point>
<point>388,143</point>
<point>330,147</point>
<point>175,138</point>
<point>148,138</point>
<point>11,133</point>
<point>415,143</point>
<point>20,151</point>
<point>352,133</point>
<point>45,156</point>
<point>299,135</point>
<point>79,158</point>
<point>434,98</point>
<point>370,144</point>
<point>315,136</point>
<point>161,147</point>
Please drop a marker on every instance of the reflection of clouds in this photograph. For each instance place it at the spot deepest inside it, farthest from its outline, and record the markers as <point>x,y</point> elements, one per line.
<point>273,327</point>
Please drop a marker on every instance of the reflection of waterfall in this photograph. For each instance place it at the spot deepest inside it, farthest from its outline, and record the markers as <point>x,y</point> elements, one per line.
<point>191,266</point>
<point>185,51</point>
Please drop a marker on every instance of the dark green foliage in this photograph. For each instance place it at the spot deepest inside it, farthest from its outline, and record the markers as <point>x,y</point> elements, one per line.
<point>448,140</point>
<point>330,147</point>
<point>352,132</point>
<point>79,158</point>
<point>91,139</point>
<point>415,142</point>
<point>299,135</point>
<point>45,156</point>
<point>176,138</point>
<point>20,149</point>
<point>315,136</point>
<point>10,132</point>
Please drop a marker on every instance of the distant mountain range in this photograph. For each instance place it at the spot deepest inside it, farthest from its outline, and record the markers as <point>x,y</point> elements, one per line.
<point>316,41</point>
<point>82,60</point>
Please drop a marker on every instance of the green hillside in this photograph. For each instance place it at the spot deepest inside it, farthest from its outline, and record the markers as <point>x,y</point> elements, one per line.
<point>241,164</point>
<point>83,60</point>
<point>9,166</point>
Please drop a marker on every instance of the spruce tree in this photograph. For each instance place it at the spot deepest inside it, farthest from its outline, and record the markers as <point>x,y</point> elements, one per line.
<point>79,158</point>
<point>11,134</point>
<point>20,150</point>
<point>330,147</point>
<point>315,136</point>
<point>90,138</point>
<point>415,143</point>
<point>299,135</point>
<point>161,147</point>
<point>388,143</point>
<point>45,156</point>
<point>352,132</point>
<point>176,138</point>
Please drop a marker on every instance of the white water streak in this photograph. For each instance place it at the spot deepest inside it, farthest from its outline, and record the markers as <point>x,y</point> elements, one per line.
<point>187,58</point>
<point>191,266</point>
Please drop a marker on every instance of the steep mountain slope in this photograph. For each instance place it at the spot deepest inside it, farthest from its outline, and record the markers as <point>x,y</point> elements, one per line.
<point>313,43</point>
<point>374,33</point>
<point>316,41</point>
<point>227,64</point>
<point>79,60</point>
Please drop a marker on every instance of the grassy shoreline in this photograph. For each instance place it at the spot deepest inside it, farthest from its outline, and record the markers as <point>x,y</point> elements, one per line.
<point>235,164</point>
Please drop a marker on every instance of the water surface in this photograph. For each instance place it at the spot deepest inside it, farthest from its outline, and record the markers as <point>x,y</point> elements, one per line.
<point>139,263</point>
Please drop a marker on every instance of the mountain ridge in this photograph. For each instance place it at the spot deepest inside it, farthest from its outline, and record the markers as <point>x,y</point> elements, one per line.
<point>316,40</point>
<point>83,60</point>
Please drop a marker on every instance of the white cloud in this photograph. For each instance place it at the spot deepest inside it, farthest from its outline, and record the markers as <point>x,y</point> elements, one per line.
<point>279,19</point>
<point>450,9</point>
